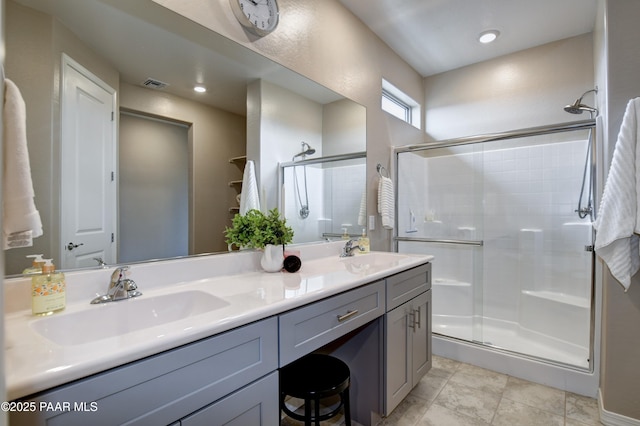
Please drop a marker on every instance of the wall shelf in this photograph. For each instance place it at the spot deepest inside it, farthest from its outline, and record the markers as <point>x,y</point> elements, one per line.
<point>240,162</point>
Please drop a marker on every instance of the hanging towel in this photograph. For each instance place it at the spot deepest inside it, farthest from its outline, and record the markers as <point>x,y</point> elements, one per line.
<point>386,202</point>
<point>362,213</point>
<point>618,222</point>
<point>20,219</point>
<point>249,197</point>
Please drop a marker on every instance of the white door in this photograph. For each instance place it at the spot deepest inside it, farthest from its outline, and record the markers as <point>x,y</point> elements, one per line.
<point>88,150</point>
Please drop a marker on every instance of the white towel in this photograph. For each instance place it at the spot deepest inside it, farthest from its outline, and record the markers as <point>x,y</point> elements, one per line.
<point>249,197</point>
<point>618,222</point>
<point>386,202</point>
<point>362,213</point>
<point>20,219</point>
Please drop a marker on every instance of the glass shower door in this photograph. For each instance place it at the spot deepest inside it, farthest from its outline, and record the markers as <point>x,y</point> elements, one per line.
<point>513,266</point>
<point>443,217</point>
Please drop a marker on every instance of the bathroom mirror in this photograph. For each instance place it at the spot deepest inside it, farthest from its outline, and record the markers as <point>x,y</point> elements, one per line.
<point>171,54</point>
<point>336,208</point>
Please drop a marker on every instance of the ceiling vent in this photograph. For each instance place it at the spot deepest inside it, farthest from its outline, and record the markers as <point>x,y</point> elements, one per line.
<point>152,83</point>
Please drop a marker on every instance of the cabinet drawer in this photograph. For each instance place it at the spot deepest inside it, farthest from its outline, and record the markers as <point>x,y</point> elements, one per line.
<point>168,386</point>
<point>310,327</point>
<point>254,405</point>
<point>406,285</point>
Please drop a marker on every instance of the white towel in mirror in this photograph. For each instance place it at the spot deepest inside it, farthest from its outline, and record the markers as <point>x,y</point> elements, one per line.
<point>20,219</point>
<point>249,197</point>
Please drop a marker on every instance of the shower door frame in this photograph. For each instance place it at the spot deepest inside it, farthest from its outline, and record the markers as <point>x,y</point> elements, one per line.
<point>589,124</point>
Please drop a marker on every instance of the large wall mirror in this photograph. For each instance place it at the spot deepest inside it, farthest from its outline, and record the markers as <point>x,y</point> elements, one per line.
<point>169,160</point>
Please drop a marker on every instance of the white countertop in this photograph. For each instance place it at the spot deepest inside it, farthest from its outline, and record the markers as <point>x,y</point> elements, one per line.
<point>35,363</point>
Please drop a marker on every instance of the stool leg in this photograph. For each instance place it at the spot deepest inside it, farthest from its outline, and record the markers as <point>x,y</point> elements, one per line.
<point>307,412</point>
<point>347,408</point>
<point>316,403</point>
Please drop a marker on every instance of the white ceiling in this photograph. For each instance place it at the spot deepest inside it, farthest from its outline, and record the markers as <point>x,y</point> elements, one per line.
<point>434,36</point>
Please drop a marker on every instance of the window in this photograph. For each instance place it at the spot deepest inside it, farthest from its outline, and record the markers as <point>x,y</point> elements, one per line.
<point>398,104</point>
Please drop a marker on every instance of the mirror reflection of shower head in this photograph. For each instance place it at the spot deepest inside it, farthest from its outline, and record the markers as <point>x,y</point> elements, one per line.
<point>578,107</point>
<point>305,151</point>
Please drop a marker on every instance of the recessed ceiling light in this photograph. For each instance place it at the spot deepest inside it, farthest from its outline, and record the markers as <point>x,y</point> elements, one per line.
<point>488,36</point>
<point>200,89</point>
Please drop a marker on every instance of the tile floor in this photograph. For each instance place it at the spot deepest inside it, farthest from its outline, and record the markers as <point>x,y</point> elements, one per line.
<point>458,394</point>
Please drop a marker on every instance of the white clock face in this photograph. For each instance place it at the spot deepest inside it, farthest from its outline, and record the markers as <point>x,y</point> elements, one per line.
<point>260,16</point>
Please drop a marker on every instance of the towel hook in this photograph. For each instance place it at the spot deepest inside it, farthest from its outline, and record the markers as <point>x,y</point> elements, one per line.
<point>380,168</point>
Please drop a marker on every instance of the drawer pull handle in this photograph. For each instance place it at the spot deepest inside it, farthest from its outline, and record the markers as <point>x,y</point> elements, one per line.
<point>346,316</point>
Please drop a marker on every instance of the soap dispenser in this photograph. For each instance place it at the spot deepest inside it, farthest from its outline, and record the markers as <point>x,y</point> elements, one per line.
<point>48,290</point>
<point>345,234</point>
<point>363,242</point>
<point>36,265</point>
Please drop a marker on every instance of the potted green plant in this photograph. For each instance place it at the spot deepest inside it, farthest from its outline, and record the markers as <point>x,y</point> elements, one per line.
<point>268,232</point>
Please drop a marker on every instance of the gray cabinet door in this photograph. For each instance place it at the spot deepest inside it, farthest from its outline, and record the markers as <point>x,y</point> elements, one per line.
<point>398,368</point>
<point>407,348</point>
<point>421,336</point>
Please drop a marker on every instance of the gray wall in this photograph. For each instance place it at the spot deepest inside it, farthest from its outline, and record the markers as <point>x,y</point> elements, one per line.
<point>3,393</point>
<point>620,77</point>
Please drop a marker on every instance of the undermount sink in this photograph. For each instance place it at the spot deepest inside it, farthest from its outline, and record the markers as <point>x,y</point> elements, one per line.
<point>99,322</point>
<point>369,262</point>
<point>378,258</point>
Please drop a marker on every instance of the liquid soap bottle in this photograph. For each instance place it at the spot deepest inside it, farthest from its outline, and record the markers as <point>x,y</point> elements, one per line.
<point>36,265</point>
<point>48,290</point>
<point>345,234</point>
<point>363,242</point>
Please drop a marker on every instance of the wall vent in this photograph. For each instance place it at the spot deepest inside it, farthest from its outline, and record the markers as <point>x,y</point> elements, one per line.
<point>152,83</point>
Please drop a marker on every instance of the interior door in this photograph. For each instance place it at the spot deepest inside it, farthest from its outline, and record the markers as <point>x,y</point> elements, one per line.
<point>88,193</point>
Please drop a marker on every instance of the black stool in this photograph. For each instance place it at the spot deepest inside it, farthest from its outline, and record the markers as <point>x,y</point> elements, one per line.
<point>313,378</point>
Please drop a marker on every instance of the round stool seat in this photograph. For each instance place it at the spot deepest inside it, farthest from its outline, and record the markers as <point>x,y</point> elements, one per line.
<point>311,379</point>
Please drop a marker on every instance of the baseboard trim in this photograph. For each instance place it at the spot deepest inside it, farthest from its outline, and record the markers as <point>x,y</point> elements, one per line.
<point>609,418</point>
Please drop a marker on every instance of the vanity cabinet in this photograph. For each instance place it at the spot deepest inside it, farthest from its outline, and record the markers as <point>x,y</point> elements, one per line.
<point>407,333</point>
<point>227,376</point>
<point>381,328</point>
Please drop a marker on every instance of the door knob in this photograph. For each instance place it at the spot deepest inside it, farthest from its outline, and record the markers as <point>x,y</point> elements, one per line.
<point>71,246</point>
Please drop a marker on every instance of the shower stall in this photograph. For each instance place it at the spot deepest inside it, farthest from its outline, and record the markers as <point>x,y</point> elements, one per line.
<point>324,197</point>
<point>508,218</point>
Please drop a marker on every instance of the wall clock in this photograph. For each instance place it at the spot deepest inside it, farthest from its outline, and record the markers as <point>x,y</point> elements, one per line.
<point>258,16</point>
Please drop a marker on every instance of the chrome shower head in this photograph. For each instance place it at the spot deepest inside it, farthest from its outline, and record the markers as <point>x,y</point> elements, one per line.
<point>578,107</point>
<point>305,151</point>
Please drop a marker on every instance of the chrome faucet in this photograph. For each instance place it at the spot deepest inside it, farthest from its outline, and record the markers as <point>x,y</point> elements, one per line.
<point>120,287</point>
<point>347,250</point>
